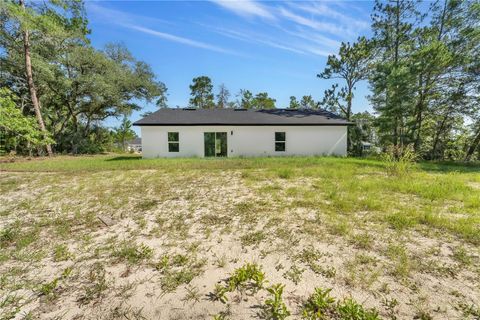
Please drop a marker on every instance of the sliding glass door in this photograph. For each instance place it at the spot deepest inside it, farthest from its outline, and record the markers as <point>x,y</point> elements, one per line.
<point>215,144</point>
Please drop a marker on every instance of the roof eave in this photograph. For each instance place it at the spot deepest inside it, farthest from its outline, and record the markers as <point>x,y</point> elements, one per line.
<point>242,124</point>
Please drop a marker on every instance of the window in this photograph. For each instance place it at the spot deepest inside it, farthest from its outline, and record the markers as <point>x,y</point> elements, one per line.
<point>173,142</point>
<point>280,141</point>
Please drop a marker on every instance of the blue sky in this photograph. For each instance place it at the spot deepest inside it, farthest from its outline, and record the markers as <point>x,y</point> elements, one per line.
<point>271,46</point>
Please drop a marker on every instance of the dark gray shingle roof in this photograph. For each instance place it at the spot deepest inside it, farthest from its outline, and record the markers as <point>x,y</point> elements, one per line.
<point>242,117</point>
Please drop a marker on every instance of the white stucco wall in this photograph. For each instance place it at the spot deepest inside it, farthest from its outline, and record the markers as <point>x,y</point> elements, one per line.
<point>247,140</point>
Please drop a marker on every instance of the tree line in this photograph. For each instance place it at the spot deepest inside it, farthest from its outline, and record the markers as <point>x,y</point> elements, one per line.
<point>422,64</point>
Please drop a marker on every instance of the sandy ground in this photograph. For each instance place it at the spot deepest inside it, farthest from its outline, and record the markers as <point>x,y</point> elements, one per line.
<point>214,224</point>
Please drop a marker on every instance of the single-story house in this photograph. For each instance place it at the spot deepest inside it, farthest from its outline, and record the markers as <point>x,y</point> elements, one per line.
<point>134,145</point>
<point>193,132</point>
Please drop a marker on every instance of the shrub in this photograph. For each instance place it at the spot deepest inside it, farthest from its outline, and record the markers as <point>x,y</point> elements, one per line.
<point>399,159</point>
<point>319,305</point>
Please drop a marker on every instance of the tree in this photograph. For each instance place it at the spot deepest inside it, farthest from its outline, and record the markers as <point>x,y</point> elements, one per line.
<point>77,85</point>
<point>17,126</point>
<point>246,99</point>
<point>201,93</point>
<point>392,79</point>
<point>25,18</point>
<point>222,97</point>
<point>294,104</point>
<point>350,65</point>
<point>263,101</point>
<point>308,102</point>
<point>124,132</point>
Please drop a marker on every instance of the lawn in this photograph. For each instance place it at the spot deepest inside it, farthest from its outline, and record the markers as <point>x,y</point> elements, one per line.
<point>109,237</point>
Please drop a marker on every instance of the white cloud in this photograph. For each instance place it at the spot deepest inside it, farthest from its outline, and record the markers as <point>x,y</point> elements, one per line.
<point>247,37</point>
<point>182,40</point>
<point>246,8</point>
<point>321,9</point>
<point>314,24</point>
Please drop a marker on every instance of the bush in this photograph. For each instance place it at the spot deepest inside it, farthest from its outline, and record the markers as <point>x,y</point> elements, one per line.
<point>399,159</point>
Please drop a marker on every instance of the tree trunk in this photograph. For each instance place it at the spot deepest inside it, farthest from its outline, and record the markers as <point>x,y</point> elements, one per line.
<point>31,85</point>
<point>473,146</point>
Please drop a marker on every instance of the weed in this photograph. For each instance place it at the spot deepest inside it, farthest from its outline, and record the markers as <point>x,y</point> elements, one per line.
<point>363,240</point>
<point>350,309</point>
<point>48,289</point>
<point>250,276</point>
<point>146,204</point>
<point>97,284</point>
<point>61,253</point>
<point>220,262</point>
<point>275,308</point>
<point>390,305</point>
<point>310,256</point>
<point>193,294</point>
<point>470,311</point>
<point>319,305</point>
<point>398,160</point>
<point>401,262</point>
<point>285,173</point>
<point>173,279</point>
<point>133,253</point>
<point>8,236</point>
<point>219,293</point>
<point>253,238</point>
<point>461,255</point>
<point>294,274</point>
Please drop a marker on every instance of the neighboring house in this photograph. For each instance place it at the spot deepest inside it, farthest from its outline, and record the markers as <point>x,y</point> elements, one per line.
<point>239,132</point>
<point>134,145</point>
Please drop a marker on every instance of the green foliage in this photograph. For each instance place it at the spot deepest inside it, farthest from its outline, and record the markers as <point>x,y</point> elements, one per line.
<point>398,159</point>
<point>319,305</point>
<point>275,308</point>
<point>201,93</point>
<point>133,253</point>
<point>17,127</point>
<point>263,101</point>
<point>248,277</point>
<point>97,284</point>
<point>222,97</point>
<point>124,132</point>
<point>351,310</point>
<point>78,85</point>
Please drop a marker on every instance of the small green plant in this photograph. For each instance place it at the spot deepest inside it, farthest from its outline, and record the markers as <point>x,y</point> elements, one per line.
<point>133,253</point>
<point>294,274</point>
<point>319,305</point>
<point>8,236</point>
<point>250,276</point>
<point>390,305</point>
<point>97,284</point>
<point>461,255</point>
<point>252,238</point>
<point>219,293</point>
<point>350,309</point>
<point>193,294</point>
<point>275,308</point>
<point>61,253</point>
<point>49,289</point>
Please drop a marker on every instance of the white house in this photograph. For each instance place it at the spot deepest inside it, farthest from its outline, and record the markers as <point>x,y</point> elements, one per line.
<point>239,132</point>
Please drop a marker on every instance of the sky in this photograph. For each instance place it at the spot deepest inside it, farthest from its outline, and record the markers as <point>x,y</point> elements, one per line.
<point>264,46</point>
